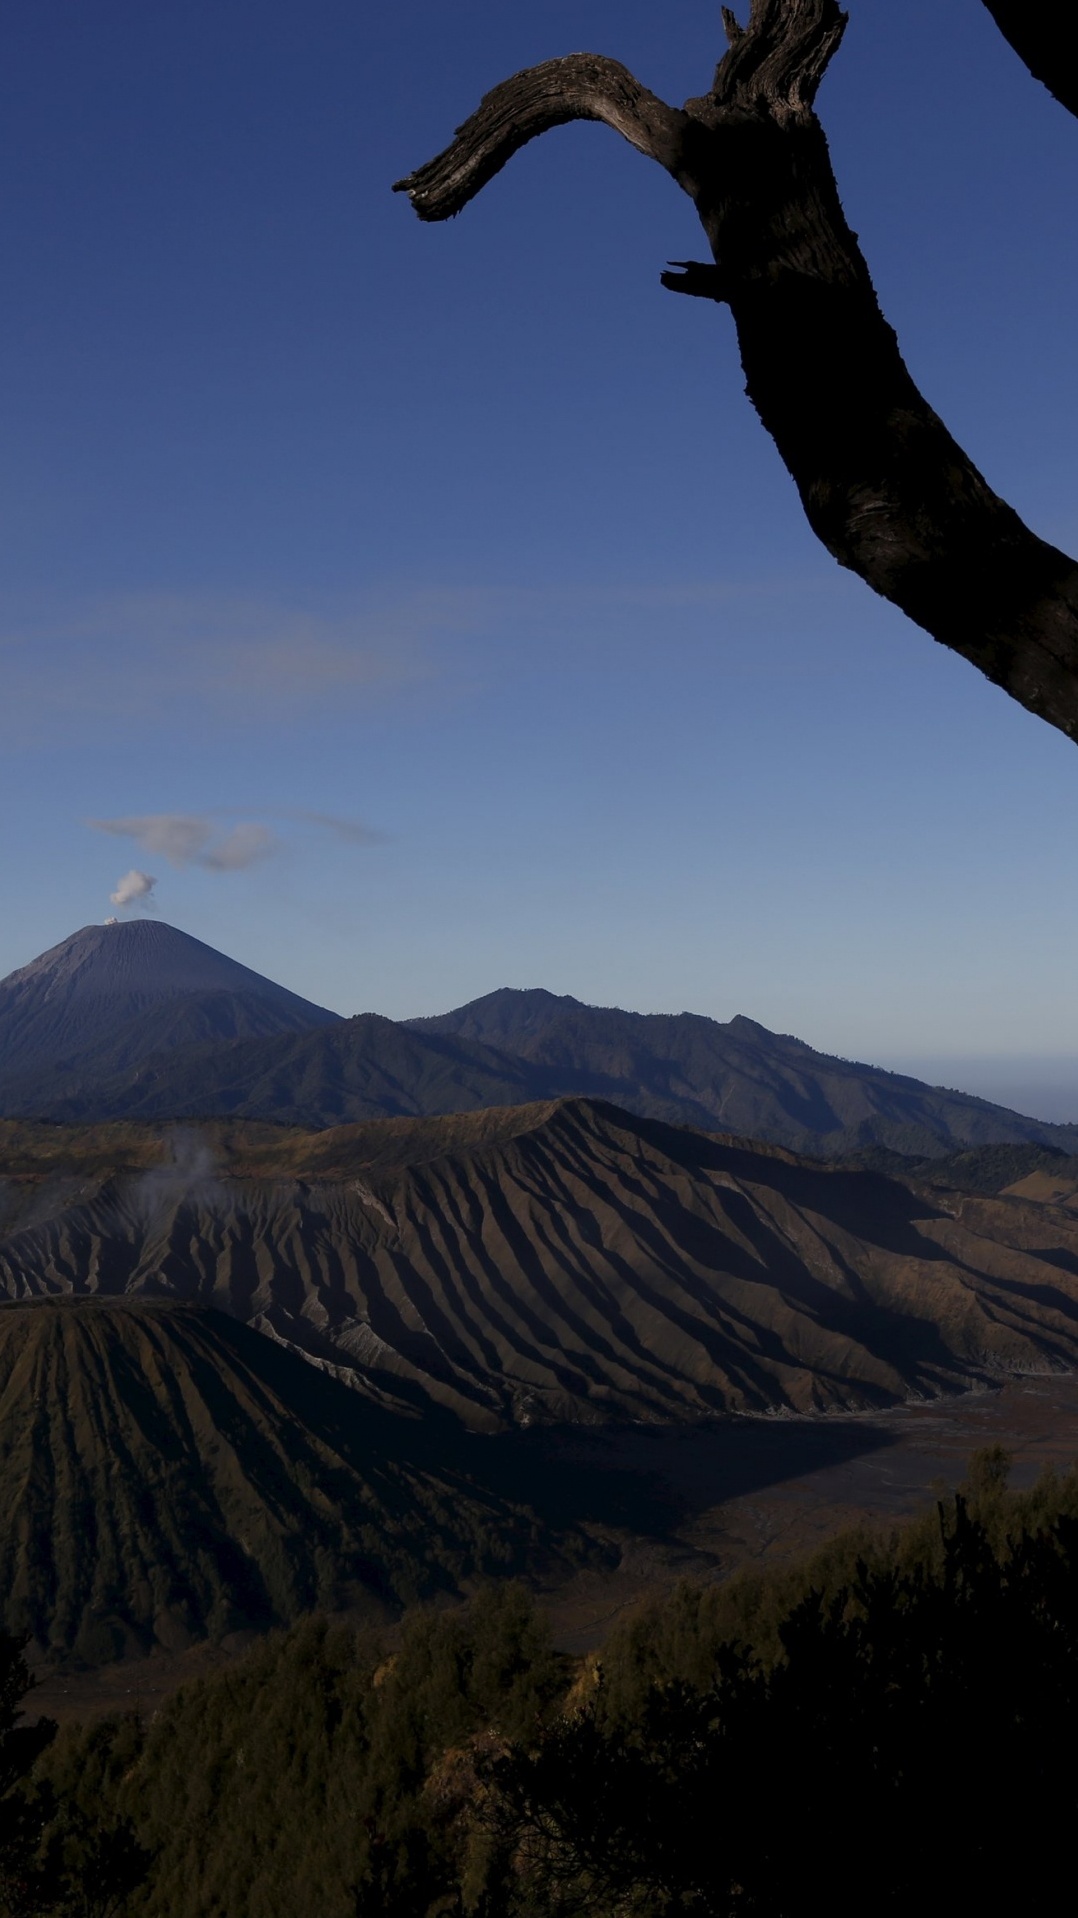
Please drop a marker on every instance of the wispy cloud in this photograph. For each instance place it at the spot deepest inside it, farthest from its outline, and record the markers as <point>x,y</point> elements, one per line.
<point>129,661</point>
<point>235,662</point>
<point>351,830</point>
<point>243,846</point>
<point>191,839</point>
<point>203,839</point>
<point>238,659</point>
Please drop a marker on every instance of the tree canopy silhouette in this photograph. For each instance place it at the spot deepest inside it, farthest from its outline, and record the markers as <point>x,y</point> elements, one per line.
<point>20,1748</point>
<point>884,485</point>
<point>885,1726</point>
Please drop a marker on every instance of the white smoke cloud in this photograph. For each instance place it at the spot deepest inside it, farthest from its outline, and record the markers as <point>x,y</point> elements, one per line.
<point>134,887</point>
<point>189,1172</point>
<point>190,839</point>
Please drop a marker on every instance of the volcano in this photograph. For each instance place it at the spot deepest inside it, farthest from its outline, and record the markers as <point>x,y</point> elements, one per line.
<point>139,1021</point>
<point>112,996</point>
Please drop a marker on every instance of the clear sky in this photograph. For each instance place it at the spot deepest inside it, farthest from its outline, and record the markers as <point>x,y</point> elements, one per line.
<point>439,586</point>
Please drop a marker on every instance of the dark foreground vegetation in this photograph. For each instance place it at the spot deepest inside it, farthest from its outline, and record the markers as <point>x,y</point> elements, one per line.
<point>885,1726</point>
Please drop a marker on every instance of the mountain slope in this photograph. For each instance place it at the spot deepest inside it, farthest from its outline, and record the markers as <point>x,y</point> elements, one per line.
<point>362,1068</point>
<point>569,1261</point>
<point>166,1472</point>
<point>109,996</point>
<point>736,1076</point>
<point>683,1069</point>
<point>139,1021</point>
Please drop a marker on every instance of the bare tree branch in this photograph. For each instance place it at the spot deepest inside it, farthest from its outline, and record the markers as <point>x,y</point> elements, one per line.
<point>583,86</point>
<point>884,486</point>
<point>1044,34</point>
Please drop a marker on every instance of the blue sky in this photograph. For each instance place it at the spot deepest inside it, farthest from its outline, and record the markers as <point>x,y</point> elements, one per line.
<point>455,561</point>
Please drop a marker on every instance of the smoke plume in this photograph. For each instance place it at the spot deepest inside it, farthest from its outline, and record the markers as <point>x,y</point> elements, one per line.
<point>188,1173</point>
<point>133,888</point>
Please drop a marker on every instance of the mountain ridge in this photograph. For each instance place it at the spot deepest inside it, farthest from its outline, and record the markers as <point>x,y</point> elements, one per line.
<point>571,1261</point>
<point>256,1052</point>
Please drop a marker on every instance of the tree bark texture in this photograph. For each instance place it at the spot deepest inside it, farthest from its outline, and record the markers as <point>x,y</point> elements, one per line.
<point>883,484</point>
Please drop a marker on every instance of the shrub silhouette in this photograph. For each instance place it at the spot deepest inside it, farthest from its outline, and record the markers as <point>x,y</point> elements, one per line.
<point>886,1725</point>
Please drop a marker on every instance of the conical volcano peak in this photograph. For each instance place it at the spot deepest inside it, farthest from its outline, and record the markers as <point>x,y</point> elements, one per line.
<point>126,991</point>
<point>95,953</point>
<point>144,957</point>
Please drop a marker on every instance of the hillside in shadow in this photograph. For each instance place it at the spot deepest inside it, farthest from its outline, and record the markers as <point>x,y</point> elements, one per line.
<point>167,1474</point>
<point>565,1261</point>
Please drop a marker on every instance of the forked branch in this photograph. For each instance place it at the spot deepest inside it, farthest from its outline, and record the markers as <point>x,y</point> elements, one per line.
<point>778,61</point>
<point>883,484</point>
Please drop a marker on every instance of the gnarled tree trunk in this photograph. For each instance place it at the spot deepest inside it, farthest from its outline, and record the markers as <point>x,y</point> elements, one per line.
<point>885,487</point>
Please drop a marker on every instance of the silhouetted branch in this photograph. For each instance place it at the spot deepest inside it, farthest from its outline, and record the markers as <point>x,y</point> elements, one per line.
<point>697,277</point>
<point>583,86</point>
<point>1044,34</point>
<point>884,486</point>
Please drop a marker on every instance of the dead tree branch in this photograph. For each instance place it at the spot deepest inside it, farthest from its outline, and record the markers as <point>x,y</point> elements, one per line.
<point>1044,34</point>
<point>583,86</point>
<point>883,484</point>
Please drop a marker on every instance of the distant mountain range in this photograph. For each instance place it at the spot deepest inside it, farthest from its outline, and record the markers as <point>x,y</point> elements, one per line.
<point>565,1261</point>
<point>735,1077</point>
<point>140,1021</point>
<point>523,1212</point>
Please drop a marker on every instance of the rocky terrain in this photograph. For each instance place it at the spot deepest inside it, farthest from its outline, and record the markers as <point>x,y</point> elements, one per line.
<point>167,1474</point>
<point>564,1261</point>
